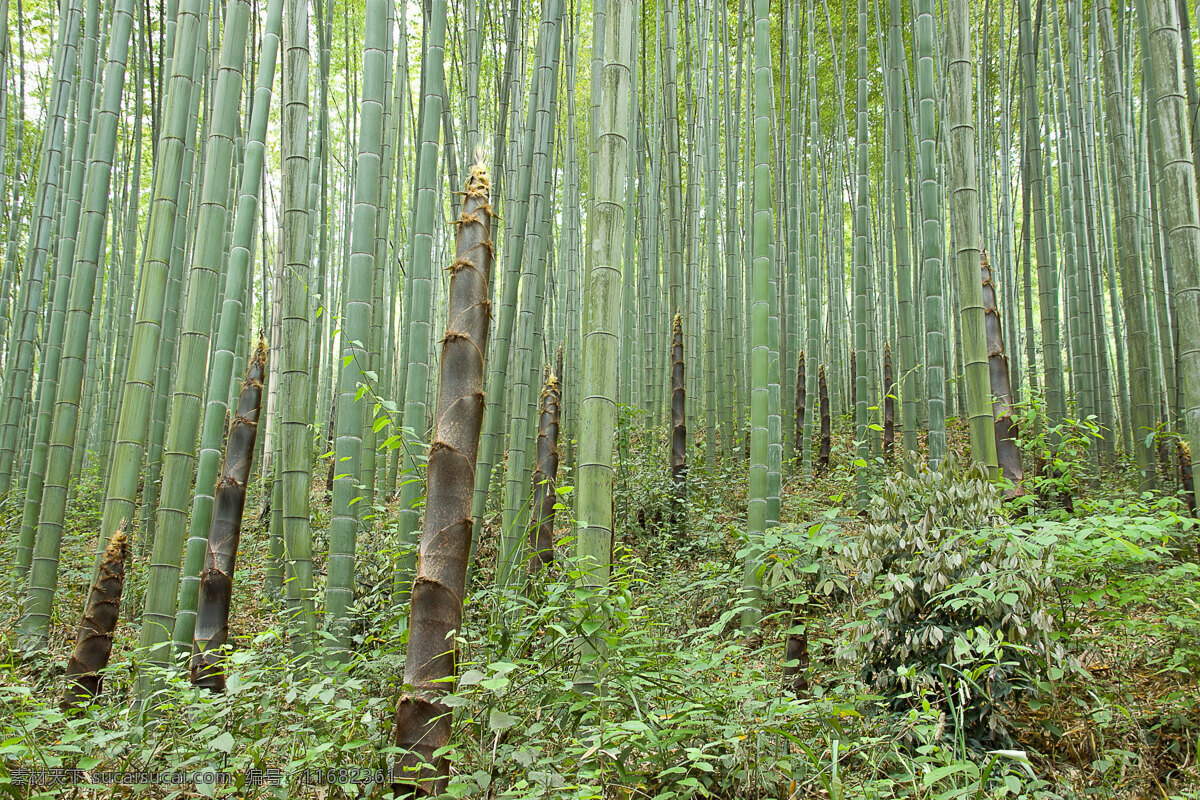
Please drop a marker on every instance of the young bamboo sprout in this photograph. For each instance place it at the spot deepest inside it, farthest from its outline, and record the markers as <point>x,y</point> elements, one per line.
<point>225,531</point>
<point>795,670</point>
<point>853,380</point>
<point>889,402</point>
<point>826,425</point>
<point>1185,475</point>
<point>545,475</point>
<point>93,642</point>
<point>801,402</point>
<point>678,419</point>
<point>329,445</point>
<point>1007,453</point>
<point>422,725</point>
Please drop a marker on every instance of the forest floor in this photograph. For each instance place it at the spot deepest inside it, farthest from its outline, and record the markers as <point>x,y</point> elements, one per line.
<point>681,705</point>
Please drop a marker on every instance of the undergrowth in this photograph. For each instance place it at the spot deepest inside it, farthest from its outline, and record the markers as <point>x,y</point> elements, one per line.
<point>675,704</point>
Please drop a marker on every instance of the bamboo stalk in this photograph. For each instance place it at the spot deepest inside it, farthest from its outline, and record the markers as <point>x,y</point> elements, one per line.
<point>795,677</point>
<point>1185,475</point>
<point>889,402</point>
<point>545,474</point>
<point>422,725</point>
<point>1008,454</point>
<point>678,415</point>
<point>229,503</point>
<point>801,403</point>
<point>826,426</point>
<point>853,382</point>
<point>93,642</point>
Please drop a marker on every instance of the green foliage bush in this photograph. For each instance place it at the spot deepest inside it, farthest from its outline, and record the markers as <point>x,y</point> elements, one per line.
<point>1060,453</point>
<point>960,620</point>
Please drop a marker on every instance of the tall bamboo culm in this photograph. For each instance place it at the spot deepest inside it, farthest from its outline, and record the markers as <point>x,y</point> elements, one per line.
<point>216,581</point>
<point>423,723</point>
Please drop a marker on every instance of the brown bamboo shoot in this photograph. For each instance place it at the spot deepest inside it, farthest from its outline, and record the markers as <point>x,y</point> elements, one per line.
<point>422,724</point>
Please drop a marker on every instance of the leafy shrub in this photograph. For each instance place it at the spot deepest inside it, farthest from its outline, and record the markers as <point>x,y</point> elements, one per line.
<point>1060,453</point>
<point>960,620</point>
<point>804,562</point>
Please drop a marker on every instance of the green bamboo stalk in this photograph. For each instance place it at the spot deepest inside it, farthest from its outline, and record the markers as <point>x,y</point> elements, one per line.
<point>295,401</point>
<point>734,326</point>
<point>1077,239</point>
<point>382,290</point>
<point>607,218</point>
<point>129,268</point>
<point>189,199</point>
<point>82,293</point>
<point>530,311</point>
<point>420,320</point>
<point>905,311</point>
<point>1133,289</point>
<point>19,364</point>
<point>812,290</point>
<point>931,234</point>
<point>1034,177</point>
<point>133,419</point>
<point>716,379</point>
<point>356,318</point>
<point>1176,177</point>
<point>17,209</point>
<point>791,317</point>
<point>964,222</point>
<point>52,346</point>
<point>179,460</point>
<point>674,243</point>
<point>220,372</point>
<point>761,243</point>
<point>861,266</point>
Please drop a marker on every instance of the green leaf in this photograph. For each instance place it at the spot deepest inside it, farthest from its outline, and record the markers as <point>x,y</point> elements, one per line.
<point>499,720</point>
<point>224,742</point>
<point>933,776</point>
<point>471,677</point>
<point>494,684</point>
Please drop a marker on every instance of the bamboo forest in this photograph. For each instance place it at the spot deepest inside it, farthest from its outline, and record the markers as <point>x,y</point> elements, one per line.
<point>599,399</point>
